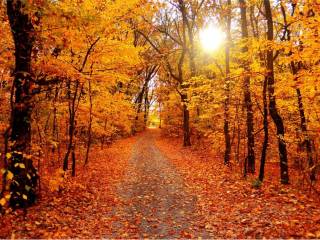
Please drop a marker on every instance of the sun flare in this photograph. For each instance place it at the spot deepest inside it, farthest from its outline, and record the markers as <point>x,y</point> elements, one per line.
<point>211,38</point>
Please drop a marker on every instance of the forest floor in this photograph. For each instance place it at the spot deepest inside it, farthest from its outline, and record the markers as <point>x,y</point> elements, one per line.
<point>157,204</point>
<point>148,186</point>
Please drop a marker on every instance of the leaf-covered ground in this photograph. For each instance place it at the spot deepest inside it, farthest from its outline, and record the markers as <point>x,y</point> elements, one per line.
<point>150,187</point>
<point>155,200</point>
<point>83,205</point>
<point>233,208</point>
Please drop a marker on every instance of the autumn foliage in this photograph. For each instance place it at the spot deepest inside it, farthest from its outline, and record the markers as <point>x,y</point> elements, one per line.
<point>78,75</point>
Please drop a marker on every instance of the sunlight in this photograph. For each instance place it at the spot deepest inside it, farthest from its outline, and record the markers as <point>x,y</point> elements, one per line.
<point>211,38</point>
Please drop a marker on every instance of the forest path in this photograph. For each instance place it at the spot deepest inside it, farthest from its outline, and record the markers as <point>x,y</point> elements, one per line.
<point>149,186</point>
<point>156,203</point>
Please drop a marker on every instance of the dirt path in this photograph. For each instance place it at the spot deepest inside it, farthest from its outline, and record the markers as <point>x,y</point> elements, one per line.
<point>156,203</point>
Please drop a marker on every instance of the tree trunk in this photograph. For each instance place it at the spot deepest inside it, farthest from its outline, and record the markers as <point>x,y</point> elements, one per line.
<point>72,113</point>
<point>226,129</point>
<point>146,105</point>
<point>307,141</point>
<point>186,127</point>
<point>255,32</point>
<point>90,126</point>
<point>247,94</point>
<point>22,188</point>
<point>237,148</point>
<point>184,96</point>
<point>284,175</point>
<point>265,129</point>
<point>295,67</point>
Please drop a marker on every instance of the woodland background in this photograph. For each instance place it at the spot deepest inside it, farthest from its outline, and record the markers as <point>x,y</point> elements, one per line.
<point>102,70</point>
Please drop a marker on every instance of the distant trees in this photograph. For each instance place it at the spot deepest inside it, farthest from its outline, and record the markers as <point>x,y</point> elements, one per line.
<point>234,94</point>
<point>174,42</point>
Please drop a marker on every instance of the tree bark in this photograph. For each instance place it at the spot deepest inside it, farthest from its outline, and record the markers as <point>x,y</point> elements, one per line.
<point>247,94</point>
<point>184,96</point>
<point>255,32</point>
<point>22,188</point>
<point>146,106</point>
<point>265,129</point>
<point>226,129</point>
<point>72,113</point>
<point>284,175</point>
<point>186,120</point>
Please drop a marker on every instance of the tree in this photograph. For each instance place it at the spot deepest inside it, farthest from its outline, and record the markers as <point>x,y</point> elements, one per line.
<point>284,175</point>
<point>295,68</point>
<point>227,90</point>
<point>250,166</point>
<point>174,35</point>
<point>24,180</point>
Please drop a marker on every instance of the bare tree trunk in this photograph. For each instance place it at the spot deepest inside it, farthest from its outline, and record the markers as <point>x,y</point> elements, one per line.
<point>237,151</point>
<point>226,129</point>
<point>22,188</point>
<point>186,120</point>
<point>284,175</point>
<point>247,94</point>
<point>149,72</point>
<point>72,112</point>
<point>255,32</point>
<point>265,129</point>
<point>184,96</point>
